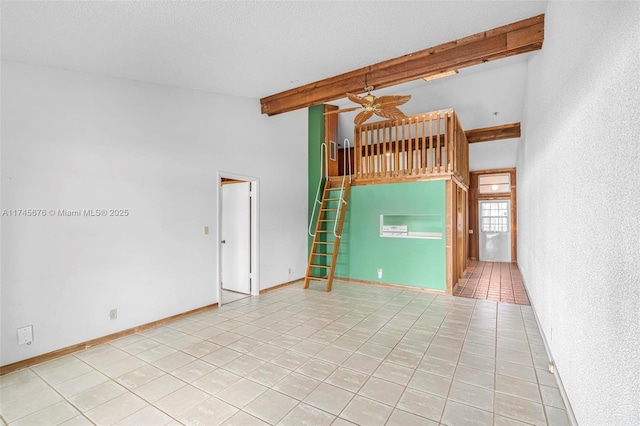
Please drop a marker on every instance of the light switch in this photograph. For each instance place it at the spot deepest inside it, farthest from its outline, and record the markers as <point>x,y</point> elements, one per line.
<point>25,335</point>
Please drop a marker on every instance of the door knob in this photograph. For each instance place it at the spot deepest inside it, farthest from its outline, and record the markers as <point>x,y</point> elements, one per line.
<point>223,242</point>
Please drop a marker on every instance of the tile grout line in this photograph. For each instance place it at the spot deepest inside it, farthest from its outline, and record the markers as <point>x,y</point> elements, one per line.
<point>535,372</point>
<point>371,375</point>
<point>324,309</point>
<point>495,363</point>
<point>59,394</point>
<point>457,363</point>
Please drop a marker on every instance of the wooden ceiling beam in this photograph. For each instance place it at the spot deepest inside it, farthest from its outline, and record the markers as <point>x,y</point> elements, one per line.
<point>495,133</point>
<point>512,39</point>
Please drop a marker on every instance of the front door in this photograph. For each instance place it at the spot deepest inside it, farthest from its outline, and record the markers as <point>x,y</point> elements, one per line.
<point>236,237</point>
<point>495,230</point>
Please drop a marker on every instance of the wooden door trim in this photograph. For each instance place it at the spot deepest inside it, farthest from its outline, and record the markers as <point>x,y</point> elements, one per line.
<point>475,197</point>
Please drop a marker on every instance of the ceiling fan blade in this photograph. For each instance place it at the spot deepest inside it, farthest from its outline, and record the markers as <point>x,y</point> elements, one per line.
<point>393,100</point>
<point>336,111</point>
<point>391,113</point>
<point>362,117</point>
<point>356,99</point>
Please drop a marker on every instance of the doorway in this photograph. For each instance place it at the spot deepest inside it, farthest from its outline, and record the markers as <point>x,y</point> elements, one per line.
<point>489,185</point>
<point>237,233</point>
<point>495,230</point>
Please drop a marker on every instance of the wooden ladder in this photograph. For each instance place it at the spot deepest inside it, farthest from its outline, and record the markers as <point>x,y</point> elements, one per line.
<point>325,244</point>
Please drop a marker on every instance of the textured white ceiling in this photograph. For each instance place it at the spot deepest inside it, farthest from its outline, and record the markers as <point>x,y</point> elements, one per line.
<point>252,49</point>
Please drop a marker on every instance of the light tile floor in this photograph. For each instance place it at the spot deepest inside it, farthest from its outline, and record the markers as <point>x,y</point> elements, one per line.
<point>231,296</point>
<point>360,354</point>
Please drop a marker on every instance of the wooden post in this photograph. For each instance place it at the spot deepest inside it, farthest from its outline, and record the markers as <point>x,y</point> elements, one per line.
<point>331,139</point>
<point>449,235</point>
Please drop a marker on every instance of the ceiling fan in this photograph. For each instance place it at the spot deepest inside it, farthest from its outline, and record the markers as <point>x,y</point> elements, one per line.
<point>384,106</point>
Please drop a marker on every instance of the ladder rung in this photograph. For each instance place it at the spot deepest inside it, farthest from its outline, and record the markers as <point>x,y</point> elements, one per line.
<point>328,268</point>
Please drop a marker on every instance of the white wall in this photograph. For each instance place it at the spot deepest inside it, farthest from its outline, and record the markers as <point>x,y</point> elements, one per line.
<point>578,204</point>
<point>79,141</point>
<point>493,155</point>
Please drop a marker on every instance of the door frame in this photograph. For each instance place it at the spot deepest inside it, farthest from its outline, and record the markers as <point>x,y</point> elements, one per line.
<point>474,197</point>
<point>493,200</point>
<point>254,231</point>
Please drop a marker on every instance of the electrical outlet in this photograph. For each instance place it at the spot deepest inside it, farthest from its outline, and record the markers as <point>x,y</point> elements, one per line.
<point>206,230</point>
<point>289,271</point>
<point>113,314</point>
<point>25,335</point>
<point>379,273</point>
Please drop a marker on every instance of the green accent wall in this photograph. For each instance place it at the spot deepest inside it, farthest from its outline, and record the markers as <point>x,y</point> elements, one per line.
<point>314,143</point>
<point>406,261</point>
<point>316,138</point>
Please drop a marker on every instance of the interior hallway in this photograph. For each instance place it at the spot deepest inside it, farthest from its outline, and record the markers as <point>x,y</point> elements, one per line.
<point>362,354</point>
<point>498,281</point>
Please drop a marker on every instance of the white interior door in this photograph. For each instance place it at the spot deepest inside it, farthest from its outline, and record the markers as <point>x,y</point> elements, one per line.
<point>495,230</point>
<point>236,237</point>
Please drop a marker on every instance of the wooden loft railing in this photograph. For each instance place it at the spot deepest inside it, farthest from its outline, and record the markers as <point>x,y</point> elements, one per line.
<point>419,147</point>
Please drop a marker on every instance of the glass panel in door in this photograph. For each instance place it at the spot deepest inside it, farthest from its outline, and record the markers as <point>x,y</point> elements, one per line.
<point>495,230</point>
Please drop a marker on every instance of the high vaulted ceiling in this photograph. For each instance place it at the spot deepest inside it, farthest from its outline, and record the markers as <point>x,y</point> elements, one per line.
<point>484,95</point>
<point>251,49</point>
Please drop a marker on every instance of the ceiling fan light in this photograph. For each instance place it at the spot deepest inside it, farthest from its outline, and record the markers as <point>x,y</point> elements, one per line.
<point>440,75</point>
